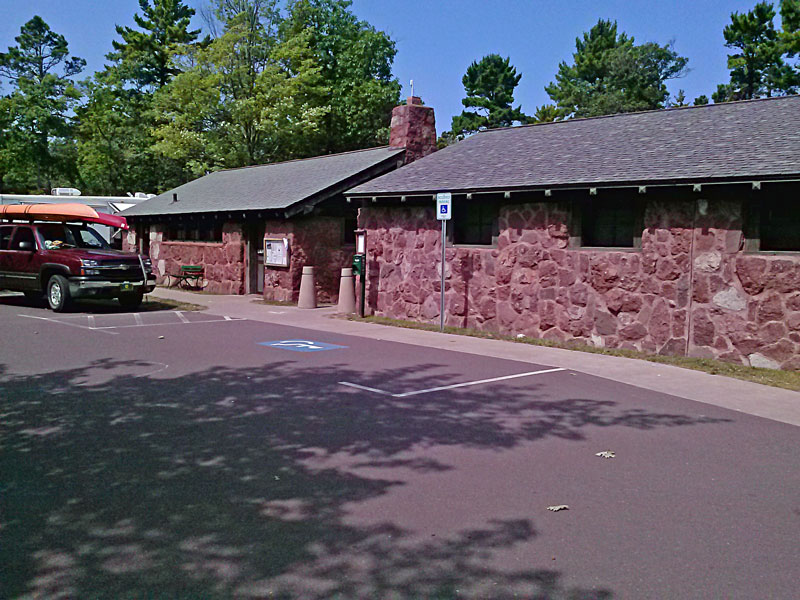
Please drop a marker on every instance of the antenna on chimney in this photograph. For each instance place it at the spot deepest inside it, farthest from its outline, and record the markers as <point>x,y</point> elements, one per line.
<point>412,87</point>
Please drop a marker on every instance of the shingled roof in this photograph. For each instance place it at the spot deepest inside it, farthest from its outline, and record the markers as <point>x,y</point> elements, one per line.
<point>754,139</point>
<point>272,187</point>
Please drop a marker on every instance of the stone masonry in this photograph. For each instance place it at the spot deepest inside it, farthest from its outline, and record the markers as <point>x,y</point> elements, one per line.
<point>690,289</point>
<point>413,127</point>
<point>223,262</point>
<point>313,241</point>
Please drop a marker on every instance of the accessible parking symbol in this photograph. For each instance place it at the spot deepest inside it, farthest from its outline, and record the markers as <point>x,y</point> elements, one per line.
<point>301,345</point>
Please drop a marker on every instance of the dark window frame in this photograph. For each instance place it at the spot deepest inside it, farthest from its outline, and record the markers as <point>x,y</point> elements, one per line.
<point>583,211</point>
<point>475,222</point>
<point>7,239</point>
<point>17,231</point>
<point>756,221</point>
<point>196,232</point>
<point>349,226</point>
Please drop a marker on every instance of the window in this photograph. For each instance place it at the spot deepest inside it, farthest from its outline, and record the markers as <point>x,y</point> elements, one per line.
<point>779,225</point>
<point>53,237</point>
<point>475,222</point>
<point>5,236</point>
<point>196,232</point>
<point>609,223</point>
<point>350,226</point>
<point>23,235</point>
<point>88,237</point>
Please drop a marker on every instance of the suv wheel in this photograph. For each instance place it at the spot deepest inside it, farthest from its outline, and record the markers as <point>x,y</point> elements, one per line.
<point>130,300</point>
<point>58,293</point>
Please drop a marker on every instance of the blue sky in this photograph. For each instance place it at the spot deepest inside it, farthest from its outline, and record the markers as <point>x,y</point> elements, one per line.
<point>438,39</point>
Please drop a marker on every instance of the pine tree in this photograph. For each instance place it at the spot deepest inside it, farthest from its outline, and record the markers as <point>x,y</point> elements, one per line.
<point>547,113</point>
<point>757,67</point>
<point>611,74</point>
<point>147,58</point>
<point>40,71</point>
<point>489,85</point>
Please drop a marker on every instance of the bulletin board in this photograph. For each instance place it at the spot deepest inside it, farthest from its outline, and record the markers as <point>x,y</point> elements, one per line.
<point>276,252</point>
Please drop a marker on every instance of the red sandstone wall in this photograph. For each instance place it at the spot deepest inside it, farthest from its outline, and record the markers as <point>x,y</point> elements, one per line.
<point>413,127</point>
<point>223,262</point>
<point>744,308</point>
<point>313,241</point>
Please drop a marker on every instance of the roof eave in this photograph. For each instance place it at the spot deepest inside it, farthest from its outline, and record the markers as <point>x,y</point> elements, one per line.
<point>781,177</point>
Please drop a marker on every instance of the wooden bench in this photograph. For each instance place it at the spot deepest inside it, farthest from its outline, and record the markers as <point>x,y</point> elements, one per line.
<point>190,273</point>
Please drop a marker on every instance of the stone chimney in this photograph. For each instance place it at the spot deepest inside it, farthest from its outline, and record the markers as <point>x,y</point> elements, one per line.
<point>413,128</point>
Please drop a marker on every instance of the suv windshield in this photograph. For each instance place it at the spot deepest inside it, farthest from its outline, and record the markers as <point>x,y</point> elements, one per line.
<point>55,236</point>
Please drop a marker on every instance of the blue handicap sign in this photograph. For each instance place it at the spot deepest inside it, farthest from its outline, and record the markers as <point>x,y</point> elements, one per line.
<point>301,345</point>
<point>443,209</point>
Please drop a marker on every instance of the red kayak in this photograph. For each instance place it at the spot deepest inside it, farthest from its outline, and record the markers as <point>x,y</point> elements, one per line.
<point>61,213</point>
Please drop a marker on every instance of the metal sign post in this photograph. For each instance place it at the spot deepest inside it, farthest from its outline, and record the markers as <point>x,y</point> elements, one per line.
<point>444,211</point>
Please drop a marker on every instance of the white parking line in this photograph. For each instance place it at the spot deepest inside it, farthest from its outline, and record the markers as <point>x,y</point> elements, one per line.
<point>449,387</point>
<point>66,323</point>
<point>181,316</point>
<point>137,318</point>
<point>165,324</point>
<point>364,387</point>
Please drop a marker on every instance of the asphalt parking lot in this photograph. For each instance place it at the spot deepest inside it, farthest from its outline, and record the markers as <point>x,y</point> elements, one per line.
<point>186,455</point>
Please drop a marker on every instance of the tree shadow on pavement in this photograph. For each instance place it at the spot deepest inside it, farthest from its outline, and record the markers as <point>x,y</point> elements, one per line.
<point>205,485</point>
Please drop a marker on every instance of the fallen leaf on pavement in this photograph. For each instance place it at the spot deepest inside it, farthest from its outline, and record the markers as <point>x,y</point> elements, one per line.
<point>558,507</point>
<point>606,454</point>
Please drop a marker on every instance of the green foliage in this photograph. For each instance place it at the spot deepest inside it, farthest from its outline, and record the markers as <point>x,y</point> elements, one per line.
<point>115,148</point>
<point>355,62</point>
<point>489,85</point>
<point>272,85</point>
<point>611,74</point>
<point>446,139</point>
<point>115,153</point>
<point>146,58</point>
<point>679,100</point>
<point>243,103</point>
<point>37,112</point>
<point>547,113</point>
<point>701,100</point>
<point>757,67</point>
<point>790,19</point>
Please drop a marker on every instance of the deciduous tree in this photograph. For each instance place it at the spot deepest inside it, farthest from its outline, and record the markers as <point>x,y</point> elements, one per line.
<point>234,108</point>
<point>115,123</point>
<point>355,61</point>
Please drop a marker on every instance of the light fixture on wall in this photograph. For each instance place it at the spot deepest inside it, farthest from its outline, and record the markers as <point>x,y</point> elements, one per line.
<point>361,241</point>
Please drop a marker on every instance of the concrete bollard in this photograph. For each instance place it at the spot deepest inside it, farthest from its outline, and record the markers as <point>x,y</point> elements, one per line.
<point>347,292</point>
<point>308,291</point>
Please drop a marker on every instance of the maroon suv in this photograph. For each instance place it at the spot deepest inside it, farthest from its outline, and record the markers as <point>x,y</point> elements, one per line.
<point>65,261</point>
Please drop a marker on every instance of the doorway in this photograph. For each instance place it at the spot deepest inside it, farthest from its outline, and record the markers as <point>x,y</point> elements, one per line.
<point>255,259</point>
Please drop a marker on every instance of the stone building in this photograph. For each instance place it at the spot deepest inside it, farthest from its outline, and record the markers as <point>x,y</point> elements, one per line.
<point>673,232</point>
<point>220,221</point>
